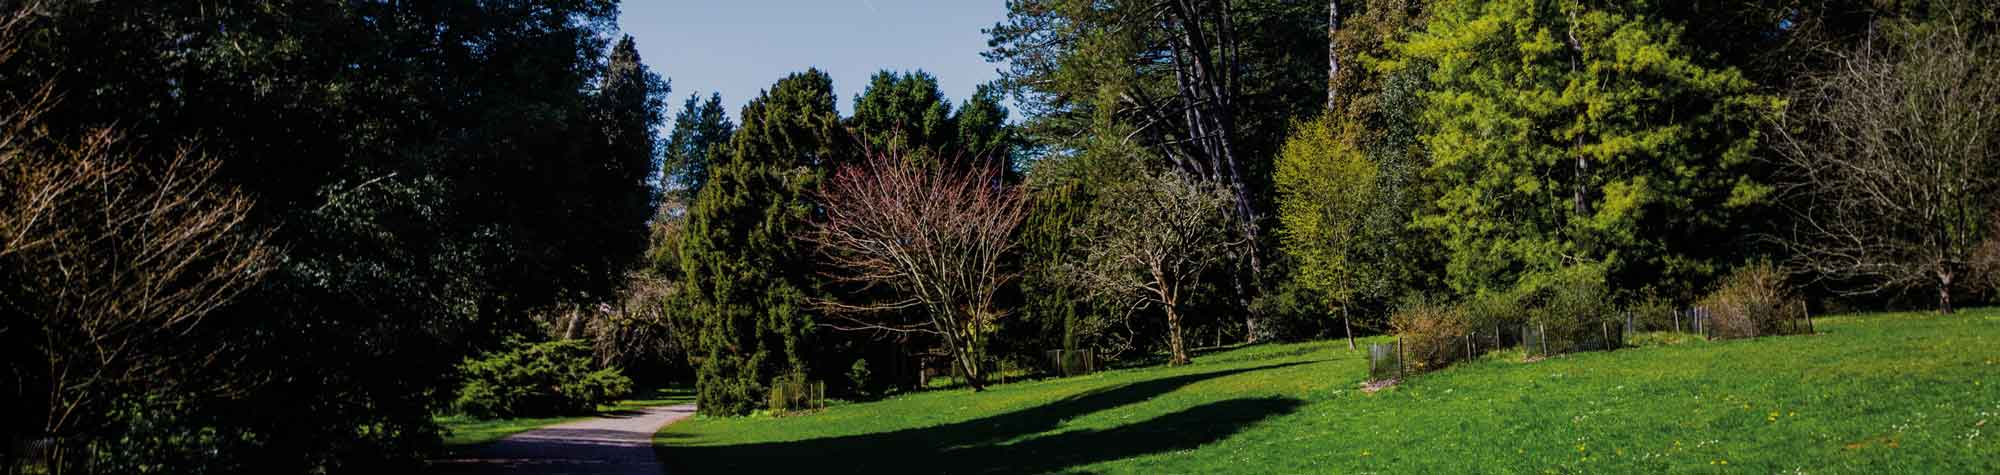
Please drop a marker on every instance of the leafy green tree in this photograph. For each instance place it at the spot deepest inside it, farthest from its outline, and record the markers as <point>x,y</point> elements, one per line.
<point>1571,132</point>
<point>746,271</point>
<point>1326,186</point>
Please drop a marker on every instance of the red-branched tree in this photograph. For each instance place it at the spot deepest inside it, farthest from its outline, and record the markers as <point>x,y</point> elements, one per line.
<point>935,235</point>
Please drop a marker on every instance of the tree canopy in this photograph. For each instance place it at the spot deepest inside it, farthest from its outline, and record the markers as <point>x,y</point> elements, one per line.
<point>1571,133</point>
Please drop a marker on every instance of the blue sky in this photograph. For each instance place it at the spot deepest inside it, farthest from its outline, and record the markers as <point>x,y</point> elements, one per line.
<point>740,47</point>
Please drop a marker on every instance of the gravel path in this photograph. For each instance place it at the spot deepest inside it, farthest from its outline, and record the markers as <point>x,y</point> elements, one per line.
<point>613,444</point>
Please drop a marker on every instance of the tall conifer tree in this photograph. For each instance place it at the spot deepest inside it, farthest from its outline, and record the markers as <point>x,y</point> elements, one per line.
<point>747,275</point>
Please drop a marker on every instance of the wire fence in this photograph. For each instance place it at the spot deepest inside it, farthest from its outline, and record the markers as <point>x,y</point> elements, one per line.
<point>1401,358</point>
<point>796,393</point>
<point>1068,363</point>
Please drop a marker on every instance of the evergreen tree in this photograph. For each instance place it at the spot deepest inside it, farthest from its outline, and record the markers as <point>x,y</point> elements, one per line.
<point>909,112</point>
<point>699,128</point>
<point>746,274</point>
<point>629,106</point>
<point>983,130</point>
<point>904,112</point>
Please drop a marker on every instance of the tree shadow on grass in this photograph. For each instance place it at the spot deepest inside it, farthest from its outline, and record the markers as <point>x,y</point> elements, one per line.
<point>989,445</point>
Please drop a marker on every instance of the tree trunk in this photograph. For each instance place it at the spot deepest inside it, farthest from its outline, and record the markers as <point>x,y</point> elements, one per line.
<point>1944,293</point>
<point>964,353</point>
<point>1206,70</point>
<point>1174,343</point>
<point>1347,324</point>
<point>1251,314</point>
<point>972,376</point>
<point>1332,54</point>
<point>571,330</point>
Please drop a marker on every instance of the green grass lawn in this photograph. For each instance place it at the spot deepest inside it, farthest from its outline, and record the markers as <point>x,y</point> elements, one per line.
<point>462,432</point>
<point>1879,393</point>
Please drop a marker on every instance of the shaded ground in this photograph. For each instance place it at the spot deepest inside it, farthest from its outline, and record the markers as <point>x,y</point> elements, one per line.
<point>1031,439</point>
<point>617,443</point>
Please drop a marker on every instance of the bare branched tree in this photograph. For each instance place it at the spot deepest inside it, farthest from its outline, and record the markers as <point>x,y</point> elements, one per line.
<point>934,235</point>
<point>1153,242</point>
<point>113,260</point>
<point>1895,155</point>
<point>638,327</point>
<point>111,257</point>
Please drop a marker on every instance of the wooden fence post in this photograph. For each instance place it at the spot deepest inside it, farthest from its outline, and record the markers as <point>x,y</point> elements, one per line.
<point>1542,337</point>
<point>1400,364</point>
<point>1604,334</point>
<point>1807,311</point>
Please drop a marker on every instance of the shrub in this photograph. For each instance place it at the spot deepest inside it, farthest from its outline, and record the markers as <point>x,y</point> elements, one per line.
<point>1652,313</point>
<point>1754,301</point>
<point>1571,311</point>
<point>1433,336</point>
<point>858,375</point>
<point>1489,310</point>
<point>538,380</point>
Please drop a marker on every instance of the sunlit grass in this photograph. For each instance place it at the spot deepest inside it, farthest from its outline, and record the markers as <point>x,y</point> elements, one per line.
<point>1880,393</point>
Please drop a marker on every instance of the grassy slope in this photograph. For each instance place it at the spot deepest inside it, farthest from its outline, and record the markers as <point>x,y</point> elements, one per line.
<point>462,432</point>
<point>1886,393</point>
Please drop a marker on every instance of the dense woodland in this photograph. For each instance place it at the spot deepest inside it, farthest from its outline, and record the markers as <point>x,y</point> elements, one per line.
<point>281,236</point>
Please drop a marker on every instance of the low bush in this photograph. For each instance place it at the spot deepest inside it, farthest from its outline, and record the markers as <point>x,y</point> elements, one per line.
<point>1652,313</point>
<point>1754,301</point>
<point>538,380</point>
<point>1491,314</point>
<point>859,376</point>
<point>1432,336</point>
<point>1571,311</point>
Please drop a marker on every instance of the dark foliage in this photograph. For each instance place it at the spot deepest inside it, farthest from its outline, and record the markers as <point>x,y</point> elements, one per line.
<point>431,171</point>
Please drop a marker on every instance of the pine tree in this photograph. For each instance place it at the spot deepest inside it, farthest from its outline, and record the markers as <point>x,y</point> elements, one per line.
<point>904,112</point>
<point>628,107</point>
<point>699,128</point>
<point>983,129</point>
<point>746,275</point>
